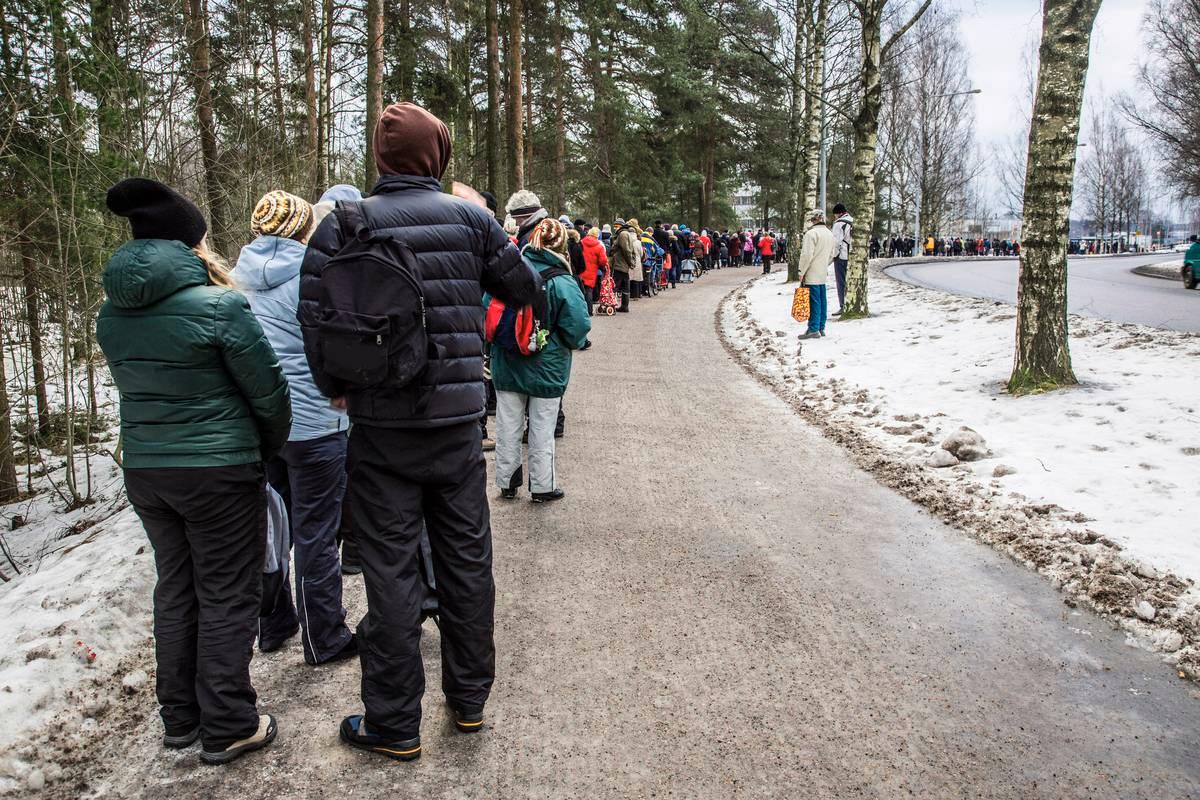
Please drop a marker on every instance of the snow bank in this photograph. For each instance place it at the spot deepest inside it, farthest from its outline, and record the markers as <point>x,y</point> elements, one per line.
<point>94,595</point>
<point>1093,485</point>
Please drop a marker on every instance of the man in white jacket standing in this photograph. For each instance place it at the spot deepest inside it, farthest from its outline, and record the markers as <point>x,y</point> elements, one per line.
<point>815,255</point>
<point>843,233</point>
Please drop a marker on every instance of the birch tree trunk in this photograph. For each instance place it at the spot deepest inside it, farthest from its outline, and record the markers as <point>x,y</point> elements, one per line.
<point>1043,357</point>
<point>516,121</point>
<point>866,141</point>
<point>816,89</point>
<point>799,110</point>
<point>374,83</point>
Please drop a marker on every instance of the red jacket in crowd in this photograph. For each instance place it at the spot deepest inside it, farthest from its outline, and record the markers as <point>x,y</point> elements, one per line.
<point>594,257</point>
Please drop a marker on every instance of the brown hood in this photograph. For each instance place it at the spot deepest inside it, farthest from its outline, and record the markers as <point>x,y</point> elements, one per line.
<point>410,141</point>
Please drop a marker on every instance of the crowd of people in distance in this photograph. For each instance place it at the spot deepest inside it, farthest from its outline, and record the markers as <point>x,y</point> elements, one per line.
<point>956,247</point>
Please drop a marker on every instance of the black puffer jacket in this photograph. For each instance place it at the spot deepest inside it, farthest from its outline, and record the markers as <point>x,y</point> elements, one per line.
<point>461,253</point>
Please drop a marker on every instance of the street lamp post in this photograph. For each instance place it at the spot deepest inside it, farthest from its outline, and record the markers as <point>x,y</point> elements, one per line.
<point>918,238</point>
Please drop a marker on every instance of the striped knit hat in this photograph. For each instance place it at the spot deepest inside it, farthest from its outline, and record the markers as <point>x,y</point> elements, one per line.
<point>549,235</point>
<point>281,214</point>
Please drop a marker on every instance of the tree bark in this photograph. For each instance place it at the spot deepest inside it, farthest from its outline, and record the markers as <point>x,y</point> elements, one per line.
<point>196,18</point>
<point>866,141</point>
<point>558,194</point>
<point>493,98</point>
<point>814,132</point>
<point>313,117</point>
<point>33,321</point>
<point>325,97</point>
<point>407,61</point>
<point>374,83</point>
<point>1042,355</point>
<point>516,121</point>
<point>9,490</point>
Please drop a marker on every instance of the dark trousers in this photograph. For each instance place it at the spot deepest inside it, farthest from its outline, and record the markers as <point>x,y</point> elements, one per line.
<point>766,262</point>
<point>587,295</point>
<point>398,477</point>
<point>839,274</point>
<point>621,284</point>
<point>208,527</point>
<point>310,476</point>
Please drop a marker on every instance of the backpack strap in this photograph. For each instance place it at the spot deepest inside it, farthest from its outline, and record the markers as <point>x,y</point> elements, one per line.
<point>351,220</point>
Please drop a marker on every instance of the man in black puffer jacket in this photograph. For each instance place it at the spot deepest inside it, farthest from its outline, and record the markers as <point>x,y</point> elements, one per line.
<point>415,452</point>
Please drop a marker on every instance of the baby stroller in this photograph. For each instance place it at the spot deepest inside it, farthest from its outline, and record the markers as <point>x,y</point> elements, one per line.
<point>688,267</point>
<point>608,295</point>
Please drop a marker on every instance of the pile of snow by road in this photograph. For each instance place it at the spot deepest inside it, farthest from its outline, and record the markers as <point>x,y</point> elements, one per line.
<point>1094,486</point>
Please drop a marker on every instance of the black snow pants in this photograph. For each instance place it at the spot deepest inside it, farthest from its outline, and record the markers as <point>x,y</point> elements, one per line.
<point>208,527</point>
<point>310,476</point>
<point>397,478</point>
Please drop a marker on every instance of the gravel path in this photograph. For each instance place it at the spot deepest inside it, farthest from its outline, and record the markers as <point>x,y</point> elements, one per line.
<point>724,607</point>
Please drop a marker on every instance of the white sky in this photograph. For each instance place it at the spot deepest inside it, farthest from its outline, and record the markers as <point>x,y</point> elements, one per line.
<point>995,33</point>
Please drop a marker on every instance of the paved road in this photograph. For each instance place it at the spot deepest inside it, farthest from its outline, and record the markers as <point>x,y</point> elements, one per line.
<point>705,617</point>
<point>1097,287</point>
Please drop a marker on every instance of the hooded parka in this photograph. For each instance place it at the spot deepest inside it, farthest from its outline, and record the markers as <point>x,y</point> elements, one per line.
<point>200,385</point>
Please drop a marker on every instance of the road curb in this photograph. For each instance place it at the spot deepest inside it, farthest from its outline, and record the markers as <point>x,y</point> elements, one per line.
<point>1148,271</point>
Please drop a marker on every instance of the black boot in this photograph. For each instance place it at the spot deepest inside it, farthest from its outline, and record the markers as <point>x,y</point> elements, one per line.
<point>514,483</point>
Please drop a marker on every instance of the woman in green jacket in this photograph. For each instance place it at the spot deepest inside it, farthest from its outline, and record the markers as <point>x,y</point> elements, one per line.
<point>203,404</point>
<point>535,384</point>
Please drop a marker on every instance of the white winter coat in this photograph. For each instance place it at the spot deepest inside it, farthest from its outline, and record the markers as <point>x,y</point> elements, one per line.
<point>816,255</point>
<point>843,234</point>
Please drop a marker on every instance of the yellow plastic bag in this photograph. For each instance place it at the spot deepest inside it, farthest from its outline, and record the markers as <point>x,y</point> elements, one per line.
<point>800,304</point>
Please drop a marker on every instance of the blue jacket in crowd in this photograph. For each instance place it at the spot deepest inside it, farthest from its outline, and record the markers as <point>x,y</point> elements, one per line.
<point>268,272</point>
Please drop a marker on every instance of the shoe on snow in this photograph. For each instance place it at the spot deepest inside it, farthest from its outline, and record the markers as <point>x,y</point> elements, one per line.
<point>259,739</point>
<point>467,719</point>
<point>810,335</point>
<point>548,497</point>
<point>354,733</point>
<point>822,334</point>
<point>181,739</point>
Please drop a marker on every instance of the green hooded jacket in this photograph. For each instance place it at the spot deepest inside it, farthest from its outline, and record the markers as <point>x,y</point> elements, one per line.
<point>200,385</point>
<point>546,373</point>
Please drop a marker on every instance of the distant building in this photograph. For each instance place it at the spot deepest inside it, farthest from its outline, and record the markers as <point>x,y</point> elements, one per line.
<point>747,207</point>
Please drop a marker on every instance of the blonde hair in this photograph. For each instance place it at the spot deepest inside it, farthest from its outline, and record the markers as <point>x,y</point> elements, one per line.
<point>218,270</point>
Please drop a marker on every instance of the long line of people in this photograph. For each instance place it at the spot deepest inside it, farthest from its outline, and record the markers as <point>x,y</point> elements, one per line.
<point>955,247</point>
<point>336,384</point>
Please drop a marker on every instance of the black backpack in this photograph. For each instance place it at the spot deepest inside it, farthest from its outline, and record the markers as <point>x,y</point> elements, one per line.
<point>371,333</point>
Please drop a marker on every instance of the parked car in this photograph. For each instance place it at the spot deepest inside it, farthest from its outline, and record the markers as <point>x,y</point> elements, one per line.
<point>1191,265</point>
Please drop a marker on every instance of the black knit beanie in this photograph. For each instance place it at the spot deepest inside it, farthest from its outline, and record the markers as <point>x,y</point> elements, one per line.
<point>156,211</point>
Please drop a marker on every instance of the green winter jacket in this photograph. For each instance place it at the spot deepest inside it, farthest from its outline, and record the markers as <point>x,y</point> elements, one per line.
<point>546,373</point>
<point>200,386</point>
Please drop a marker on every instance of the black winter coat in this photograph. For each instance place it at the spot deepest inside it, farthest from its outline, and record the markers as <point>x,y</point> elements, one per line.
<point>461,253</point>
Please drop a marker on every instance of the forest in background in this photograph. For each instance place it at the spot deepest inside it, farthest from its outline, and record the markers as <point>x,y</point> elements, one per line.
<point>605,109</point>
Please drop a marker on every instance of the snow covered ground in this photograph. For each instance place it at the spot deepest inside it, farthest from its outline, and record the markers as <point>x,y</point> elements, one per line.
<point>75,610</point>
<point>1094,486</point>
